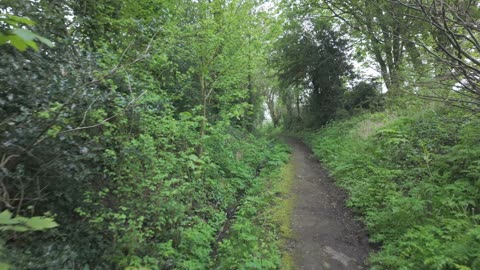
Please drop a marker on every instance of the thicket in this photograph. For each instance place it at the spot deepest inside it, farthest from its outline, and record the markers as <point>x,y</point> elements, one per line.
<point>414,179</point>
<point>130,124</point>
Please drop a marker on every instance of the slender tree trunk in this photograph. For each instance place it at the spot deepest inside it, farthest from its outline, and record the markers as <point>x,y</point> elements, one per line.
<point>250,120</point>
<point>298,104</point>
<point>271,109</point>
<point>203,124</point>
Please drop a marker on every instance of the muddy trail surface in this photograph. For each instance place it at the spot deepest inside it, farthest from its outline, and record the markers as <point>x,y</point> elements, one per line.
<point>325,233</point>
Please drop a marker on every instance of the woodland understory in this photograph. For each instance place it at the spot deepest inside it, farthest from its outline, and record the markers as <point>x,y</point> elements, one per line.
<point>144,134</point>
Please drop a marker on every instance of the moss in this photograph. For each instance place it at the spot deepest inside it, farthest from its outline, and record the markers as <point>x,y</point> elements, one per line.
<point>283,208</point>
<point>287,261</point>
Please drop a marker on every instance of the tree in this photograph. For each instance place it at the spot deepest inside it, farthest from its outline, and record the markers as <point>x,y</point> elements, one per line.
<point>215,48</point>
<point>365,95</point>
<point>455,33</point>
<point>312,55</point>
<point>269,87</point>
<point>387,31</point>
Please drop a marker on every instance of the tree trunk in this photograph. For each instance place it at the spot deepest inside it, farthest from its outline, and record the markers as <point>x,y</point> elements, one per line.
<point>203,124</point>
<point>298,104</point>
<point>271,108</point>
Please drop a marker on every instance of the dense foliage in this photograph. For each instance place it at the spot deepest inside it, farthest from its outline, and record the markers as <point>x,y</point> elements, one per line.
<point>410,166</point>
<point>427,49</point>
<point>130,131</point>
<point>414,179</point>
<point>315,60</point>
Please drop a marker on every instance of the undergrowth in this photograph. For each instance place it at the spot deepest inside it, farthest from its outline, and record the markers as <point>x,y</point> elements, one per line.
<point>253,238</point>
<point>415,180</point>
<point>165,206</point>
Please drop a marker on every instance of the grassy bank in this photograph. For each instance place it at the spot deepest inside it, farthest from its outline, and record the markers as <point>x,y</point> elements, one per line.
<point>414,177</point>
<point>282,211</point>
<point>255,236</point>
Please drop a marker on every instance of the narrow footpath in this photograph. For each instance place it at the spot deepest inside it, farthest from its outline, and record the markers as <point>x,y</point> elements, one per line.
<point>326,235</point>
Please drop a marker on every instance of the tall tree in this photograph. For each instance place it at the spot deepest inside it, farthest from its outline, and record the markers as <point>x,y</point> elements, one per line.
<point>312,55</point>
<point>215,45</point>
<point>455,34</point>
<point>387,30</point>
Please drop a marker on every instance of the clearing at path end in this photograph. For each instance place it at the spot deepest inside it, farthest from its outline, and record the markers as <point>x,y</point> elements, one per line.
<point>326,236</point>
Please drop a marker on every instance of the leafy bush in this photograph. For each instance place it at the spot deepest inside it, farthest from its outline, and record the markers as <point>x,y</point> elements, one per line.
<point>129,131</point>
<point>364,96</point>
<point>415,183</point>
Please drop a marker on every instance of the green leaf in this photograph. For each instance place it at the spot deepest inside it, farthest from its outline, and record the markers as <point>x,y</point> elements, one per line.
<point>3,39</point>
<point>6,218</point>
<point>18,42</point>
<point>15,20</point>
<point>23,224</point>
<point>32,45</point>
<point>45,41</point>
<point>41,223</point>
<point>24,34</point>
<point>22,39</point>
<point>15,228</point>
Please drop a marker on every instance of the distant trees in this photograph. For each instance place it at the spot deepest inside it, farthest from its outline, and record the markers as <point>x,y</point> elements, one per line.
<point>417,41</point>
<point>428,49</point>
<point>384,29</point>
<point>312,55</point>
<point>313,64</point>
<point>364,96</point>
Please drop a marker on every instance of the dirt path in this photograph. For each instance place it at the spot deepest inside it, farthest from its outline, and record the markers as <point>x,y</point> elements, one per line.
<point>325,233</point>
